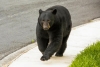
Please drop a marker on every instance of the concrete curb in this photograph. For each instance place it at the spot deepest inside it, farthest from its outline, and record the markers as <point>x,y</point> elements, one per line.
<point>13,56</point>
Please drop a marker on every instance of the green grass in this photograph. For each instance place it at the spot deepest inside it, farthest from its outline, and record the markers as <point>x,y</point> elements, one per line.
<point>33,41</point>
<point>89,57</point>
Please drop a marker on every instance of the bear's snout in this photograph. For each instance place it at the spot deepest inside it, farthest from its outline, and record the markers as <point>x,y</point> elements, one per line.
<point>46,26</point>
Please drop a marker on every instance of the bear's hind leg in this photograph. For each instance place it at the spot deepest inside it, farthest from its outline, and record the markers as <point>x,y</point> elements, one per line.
<point>60,52</point>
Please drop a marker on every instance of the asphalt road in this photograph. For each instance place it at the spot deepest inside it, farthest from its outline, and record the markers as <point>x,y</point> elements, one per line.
<point>18,19</point>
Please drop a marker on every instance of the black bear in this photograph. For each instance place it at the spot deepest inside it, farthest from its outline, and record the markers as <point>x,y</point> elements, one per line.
<point>52,31</point>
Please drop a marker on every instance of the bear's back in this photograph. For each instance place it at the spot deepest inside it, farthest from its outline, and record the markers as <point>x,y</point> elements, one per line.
<point>62,12</point>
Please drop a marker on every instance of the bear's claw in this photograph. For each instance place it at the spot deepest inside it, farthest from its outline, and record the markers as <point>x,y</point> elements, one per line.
<point>44,58</point>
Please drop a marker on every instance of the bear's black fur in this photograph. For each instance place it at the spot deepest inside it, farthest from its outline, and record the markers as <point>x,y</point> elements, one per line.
<point>52,31</point>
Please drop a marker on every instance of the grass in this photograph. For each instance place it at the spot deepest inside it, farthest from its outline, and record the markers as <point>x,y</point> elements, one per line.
<point>33,41</point>
<point>89,57</point>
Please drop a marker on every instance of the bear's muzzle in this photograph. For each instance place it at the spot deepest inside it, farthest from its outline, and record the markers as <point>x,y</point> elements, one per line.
<point>46,26</point>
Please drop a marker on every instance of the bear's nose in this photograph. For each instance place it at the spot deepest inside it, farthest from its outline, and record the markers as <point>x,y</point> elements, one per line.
<point>46,26</point>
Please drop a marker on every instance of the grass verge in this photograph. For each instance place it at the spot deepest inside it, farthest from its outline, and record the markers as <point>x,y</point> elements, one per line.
<point>89,57</point>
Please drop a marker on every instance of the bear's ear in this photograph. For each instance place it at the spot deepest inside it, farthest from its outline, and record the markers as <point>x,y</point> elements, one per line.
<point>40,11</point>
<point>54,11</point>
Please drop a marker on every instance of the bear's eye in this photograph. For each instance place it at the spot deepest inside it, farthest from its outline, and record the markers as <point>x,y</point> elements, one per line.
<point>48,20</point>
<point>42,21</point>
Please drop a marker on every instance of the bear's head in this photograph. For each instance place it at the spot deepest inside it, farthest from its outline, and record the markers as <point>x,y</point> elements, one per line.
<point>46,18</point>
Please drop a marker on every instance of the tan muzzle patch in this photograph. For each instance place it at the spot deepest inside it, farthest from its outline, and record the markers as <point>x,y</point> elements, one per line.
<point>46,26</point>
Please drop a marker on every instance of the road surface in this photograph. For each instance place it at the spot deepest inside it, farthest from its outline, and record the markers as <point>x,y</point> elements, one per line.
<point>18,19</point>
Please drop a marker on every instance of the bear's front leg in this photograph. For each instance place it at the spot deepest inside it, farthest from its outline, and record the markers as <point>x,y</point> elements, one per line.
<point>56,41</point>
<point>42,44</point>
